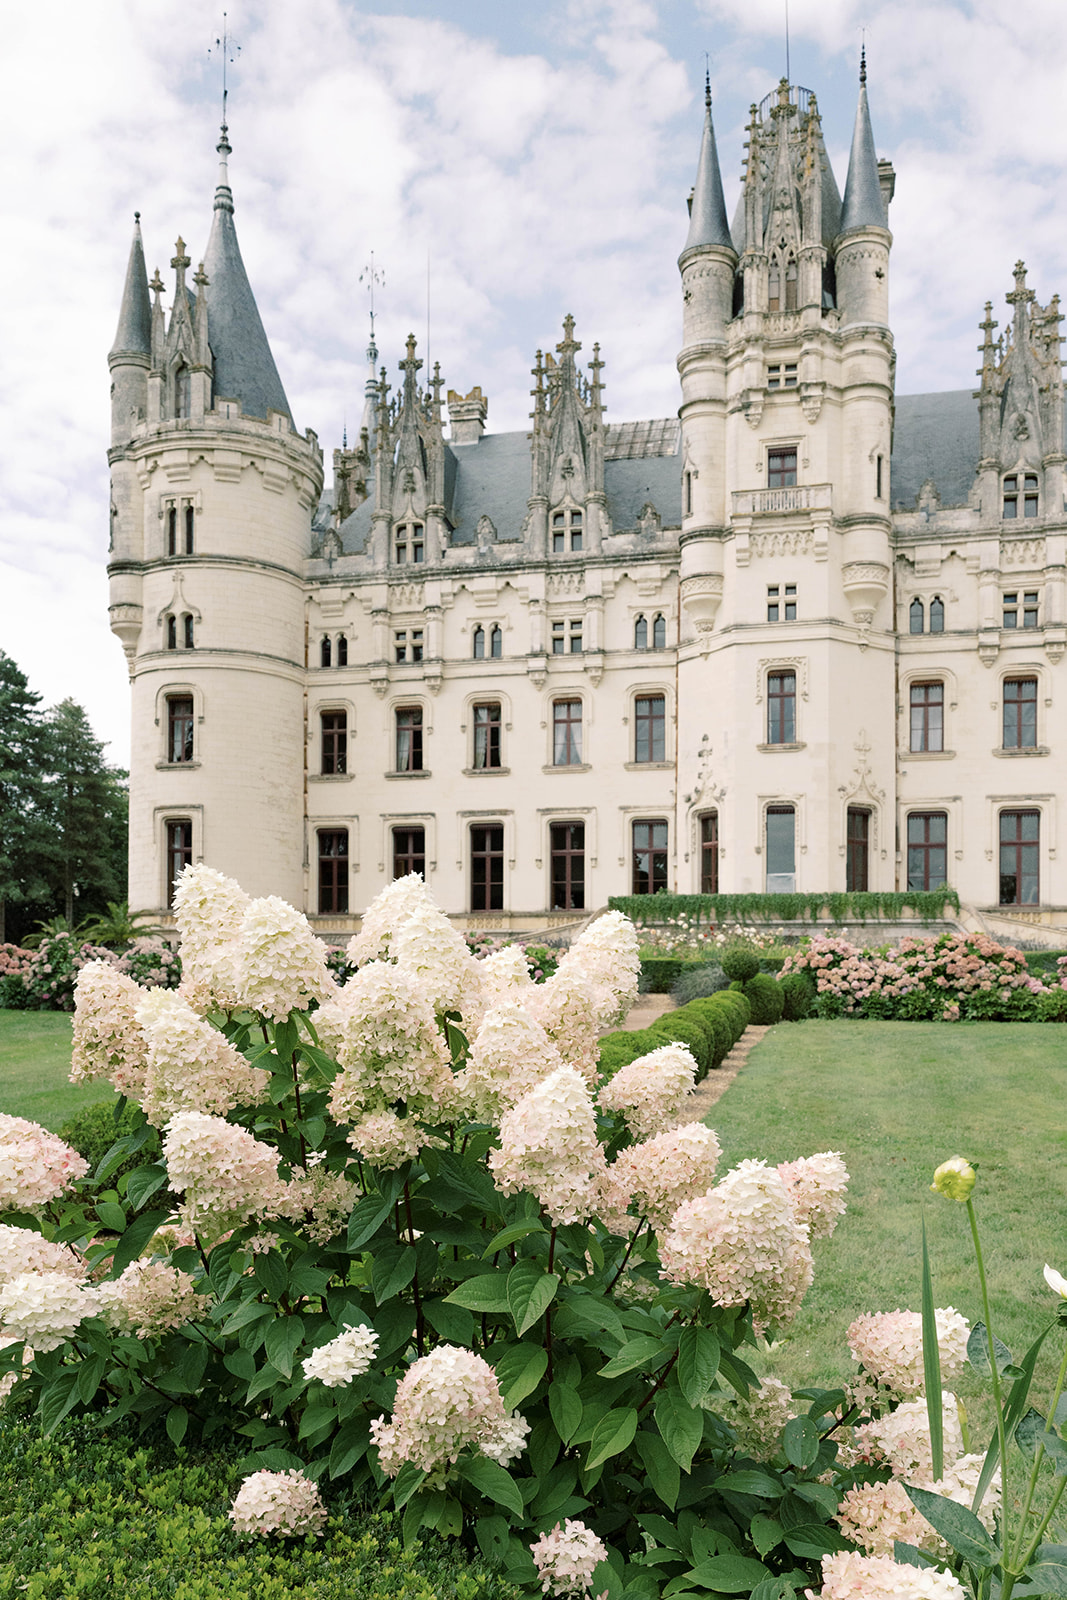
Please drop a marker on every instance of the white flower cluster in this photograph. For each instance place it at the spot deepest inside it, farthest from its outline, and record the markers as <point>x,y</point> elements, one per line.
<point>209,908</point>
<point>447,1402</point>
<point>386,1140</point>
<point>24,1251</point>
<point>150,1298</point>
<point>608,955</point>
<point>889,1347</point>
<point>875,1515</point>
<point>427,947</point>
<point>189,1066</point>
<point>567,1557</point>
<point>387,912</point>
<point>569,1008</point>
<point>848,1576</point>
<point>759,1419</point>
<point>382,1031</point>
<point>510,1054</point>
<point>225,1175</point>
<point>901,1439</point>
<point>279,964</point>
<point>35,1166</point>
<point>816,1185</point>
<point>347,1356</point>
<point>549,1146</point>
<point>43,1308</point>
<point>107,1041</point>
<point>651,1091</point>
<point>320,1201</point>
<point>653,1178</point>
<point>505,977</point>
<point>285,1503</point>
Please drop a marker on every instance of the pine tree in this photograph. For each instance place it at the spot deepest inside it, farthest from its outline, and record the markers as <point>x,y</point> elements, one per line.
<point>87,809</point>
<point>24,833</point>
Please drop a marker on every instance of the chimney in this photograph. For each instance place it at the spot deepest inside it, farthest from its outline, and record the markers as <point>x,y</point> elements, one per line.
<point>466,416</point>
<point>887,181</point>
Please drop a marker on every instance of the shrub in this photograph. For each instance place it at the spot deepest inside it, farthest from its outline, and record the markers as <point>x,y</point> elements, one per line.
<point>798,996</point>
<point>698,981</point>
<point>1045,963</point>
<point>764,994</point>
<point>719,1026</point>
<point>679,1028</point>
<point>740,963</point>
<point>737,1006</point>
<point>616,1050</point>
<point>660,973</point>
<point>152,963</point>
<point>94,1129</point>
<point>1052,1007</point>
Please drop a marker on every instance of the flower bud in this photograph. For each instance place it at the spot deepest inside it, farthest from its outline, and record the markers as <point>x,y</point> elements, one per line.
<point>1056,1281</point>
<point>955,1179</point>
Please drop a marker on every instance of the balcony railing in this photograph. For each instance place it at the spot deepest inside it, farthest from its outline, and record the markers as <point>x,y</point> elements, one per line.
<point>776,502</point>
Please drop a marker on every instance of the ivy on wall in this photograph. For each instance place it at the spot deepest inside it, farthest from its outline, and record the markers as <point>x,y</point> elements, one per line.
<point>928,906</point>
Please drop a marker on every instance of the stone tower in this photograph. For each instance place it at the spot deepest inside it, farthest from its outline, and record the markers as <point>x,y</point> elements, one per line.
<point>787,400</point>
<point>211,497</point>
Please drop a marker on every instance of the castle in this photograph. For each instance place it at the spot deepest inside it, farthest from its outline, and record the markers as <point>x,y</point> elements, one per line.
<point>805,634</point>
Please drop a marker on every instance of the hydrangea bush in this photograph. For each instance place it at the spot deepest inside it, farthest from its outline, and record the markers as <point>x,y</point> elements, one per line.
<point>45,979</point>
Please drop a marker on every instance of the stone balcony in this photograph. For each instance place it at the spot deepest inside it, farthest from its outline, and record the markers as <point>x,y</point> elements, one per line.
<point>781,502</point>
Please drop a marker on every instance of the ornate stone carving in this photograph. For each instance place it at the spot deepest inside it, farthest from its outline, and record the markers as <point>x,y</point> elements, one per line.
<point>799,665</point>
<point>784,542</point>
<point>1023,552</point>
<point>701,598</point>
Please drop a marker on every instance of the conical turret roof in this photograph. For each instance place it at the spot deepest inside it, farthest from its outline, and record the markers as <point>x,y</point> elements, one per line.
<point>707,221</point>
<point>133,336</point>
<point>244,368</point>
<point>862,206</point>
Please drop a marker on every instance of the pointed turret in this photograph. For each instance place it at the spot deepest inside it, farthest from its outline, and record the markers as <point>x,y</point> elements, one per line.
<point>707,219</point>
<point>133,336</point>
<point>862,206</point>
<point>244,368</point>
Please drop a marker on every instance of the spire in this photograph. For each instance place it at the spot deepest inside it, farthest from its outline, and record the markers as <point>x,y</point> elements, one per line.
<point>370,388</point>
<point>707,222</point>
<point>244,368</point>
<point>862,206</point>
<point>133,336</point>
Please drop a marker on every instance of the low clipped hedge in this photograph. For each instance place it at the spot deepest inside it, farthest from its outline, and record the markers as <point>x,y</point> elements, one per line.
<point>798,996</point>
<point>740,963</point>
<point>98,1515</point>
<point>764,994</point>
<point>659,974</point>
<point>684,1027</point>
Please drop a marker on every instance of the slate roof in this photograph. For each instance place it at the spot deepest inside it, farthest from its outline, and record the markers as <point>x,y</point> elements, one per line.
<point>244,366</point>
<point>133,336</point>
<point>863,204</point>
<point>934,436</point>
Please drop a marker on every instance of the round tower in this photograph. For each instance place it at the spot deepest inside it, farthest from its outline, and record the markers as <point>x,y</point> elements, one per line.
<point>212,495</point>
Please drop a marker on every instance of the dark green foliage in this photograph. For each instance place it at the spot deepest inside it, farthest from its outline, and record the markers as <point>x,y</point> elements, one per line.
<point>617,1050</point>
<point>798,996</point>
<point>764,994</point>
<point>697,981</point>
<point>740,1008</point>
<point>678,1027</point>
<point>1044,963</point>
<point>771,963</point>
<point>718,1024</point>
<point>87,806</point>
<point>24,837</point>
<point>1052,1007</point>
<point>740,964</point>
<point>928,906</point>
<point>93,1130</point>
<point>659,974</point>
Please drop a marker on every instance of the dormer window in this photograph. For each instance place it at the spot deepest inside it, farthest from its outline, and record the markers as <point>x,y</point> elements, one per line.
<point>566,525</point>
<point>409,544</point>
<point>1020,485</point>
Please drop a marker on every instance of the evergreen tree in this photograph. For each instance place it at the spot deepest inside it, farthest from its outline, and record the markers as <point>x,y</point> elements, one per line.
<point>87,811</point>
<point>24,831</point>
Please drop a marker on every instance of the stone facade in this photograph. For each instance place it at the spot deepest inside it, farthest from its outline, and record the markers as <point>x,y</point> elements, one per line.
<point>806,634</point>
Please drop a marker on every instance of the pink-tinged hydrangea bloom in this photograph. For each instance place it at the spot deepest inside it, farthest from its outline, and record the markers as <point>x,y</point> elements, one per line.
<point>386,914</point>
<point>742,1243</point>
<point>225,1175</point>
<point>35,1166</point>
<point>567,1557</point>
<point>569,1007</point>
<point>608,955</point>
<point>758,1421</point>
<point>816,1185</point>
<point>386,1140</point>
<point>505,976</point>
<point>510,1055</point>
<point>150,1298</point>
<point>107,1041</point>
<point>848,1576</point>
<point>279,964</point>
<point>320,1201</point>
<point>44,1308</point>
<point>447,1402</point>
<point>210,909</point>
<point>653,1178</point>
<point>382,1030</point>
<point>651,1091</point>
<point>889,1347</point>
<point>901,1439</point>
<point>24,1251</point>
<point>347,1357</point>
<point>190,1066</point>
<point>428,948</point>
<point>874,1515</point>
<point>548,1146</point>
<point>286,1503</point>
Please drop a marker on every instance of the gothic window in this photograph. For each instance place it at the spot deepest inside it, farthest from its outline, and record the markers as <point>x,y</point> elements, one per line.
<point>409,544</point>
<point>857,849</point>
<point>496,641</point>
<point>782,468</point>
<point>927,849</point>
<point>409,852</point>
<point>937,615</point>
<point>179,728</point>
<point>782,376</point>
<point>409,739</point>
<point>774,286</point>
<point>566,525</point>
<point>650,727</point>
<point>1027,491</point>
<point>342,650</point>
<point>479,643</point>
<point>791,285</point>
<point>187,630</point>
<point>1020,714</point>
<point>641,633</point>
<point>567,853</point>
<point>709,853</point>
<point>659,632</point>
<point>172,530</point>
<point>487,736</point>
<point>170,625</point>
<point>179,851</point>
<point>927,716</point>
<point>916,617</point>
<point>781,707</point>
<point>566,733</point>
<point>334,726</point>
<point>326,652</point>
<point>780,834</point>
<point>182,392</point>
<point>1019,857</point>
<point>190,518</point>
<point>487,867</point>
<point>649,870</point>
<point>333,870</point>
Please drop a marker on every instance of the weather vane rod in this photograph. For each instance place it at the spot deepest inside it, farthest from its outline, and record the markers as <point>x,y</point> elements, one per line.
<point>373,277</point>
<point>227,47</point>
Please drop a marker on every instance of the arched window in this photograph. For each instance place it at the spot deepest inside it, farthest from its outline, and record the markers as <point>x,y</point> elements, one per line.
<point>187,630</point>
<point>189,518</point>
<point>916,617</point>
<point>659,633</point>
<point>342,650</point>
<point>791,285</point>
<point>641,633</point>
<point>496,642</point>
<point>478,638</point>
<point>170,623</point>
<point>172,530</point>
<point>937,615</point>
<point>325,652</point>
<point>774,286</point>
<point>182,392</point>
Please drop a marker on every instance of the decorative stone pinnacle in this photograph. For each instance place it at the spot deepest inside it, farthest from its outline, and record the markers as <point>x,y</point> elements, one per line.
<point>200,277</point>
<point>180,259</point>
<point>569,344</point>
<point>863,65</point>
<point>156,285</point>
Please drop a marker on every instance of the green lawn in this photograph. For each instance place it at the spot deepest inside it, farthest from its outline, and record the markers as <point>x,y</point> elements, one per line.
<point>34,1069</point>
<point>897,1098</point>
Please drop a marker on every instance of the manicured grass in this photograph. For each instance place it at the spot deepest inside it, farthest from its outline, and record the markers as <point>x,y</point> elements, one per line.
<point>35,1066</point>
<point>898,1098</point>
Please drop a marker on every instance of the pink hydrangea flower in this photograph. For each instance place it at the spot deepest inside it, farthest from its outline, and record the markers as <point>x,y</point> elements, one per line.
<point>447,1402</point>
<point>816,1185</point>
<point>849,1576</point>
<point>107,1041</point>
<point>549,1146</point>
<point>285,1503</point>
<point>35,1166</point>
<point>651,1091</point>
<point>225,1174</point>
<point>889,1347</point>
<point>150,1298</point>
<point>653,1178</point>
<point>567,1557</point>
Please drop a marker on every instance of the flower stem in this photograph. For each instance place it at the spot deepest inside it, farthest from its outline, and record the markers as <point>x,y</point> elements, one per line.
<point>299,1114</point>
<point>1002,1444</point>
<point>420,1327</point>
<point>626,1257</point>
<point>1038,1457</point>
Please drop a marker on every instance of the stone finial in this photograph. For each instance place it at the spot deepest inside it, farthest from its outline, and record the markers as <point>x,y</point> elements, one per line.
<point>157,285</point>
<point>200,277</point>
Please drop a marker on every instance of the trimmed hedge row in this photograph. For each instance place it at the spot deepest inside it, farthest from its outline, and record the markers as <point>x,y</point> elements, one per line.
<point>709,1027</point>
<point>928,906</point>
<point>659,974</point>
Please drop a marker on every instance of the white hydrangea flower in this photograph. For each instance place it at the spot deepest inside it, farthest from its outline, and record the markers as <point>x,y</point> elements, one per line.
<point>608,954</point>
<point>43,1308</point>
<point>548,1145</point>
<point>428,947</point>
<point>189,1065</point>
<point>107,1041</point>
<point>653,1178</point>
<point>386,1140</point>
<point>509,1055</point>
<point>447,1402</point>
<point>849,1576</point>
<point>651,1091</point>
<point>210,908</point>
<point>347,1356</point>
<point>567,1557</point>
<point>21,1250</point>
<point>505,976</point>
<point>901,1439</point>
<point>387,913</point>
<point>382,1030</point>
<point>286,1503</point>
<point>570,1006</point>
<point>35,1166</point>
<point>150,1298</point>
<point>889,1347</point>
<point>225,1174</point>
<point>279,964</point>
<point>759,1419</point>
<point>816,1185</point>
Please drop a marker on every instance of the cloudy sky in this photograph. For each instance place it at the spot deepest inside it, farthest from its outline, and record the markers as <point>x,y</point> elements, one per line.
<point>535,157</point>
